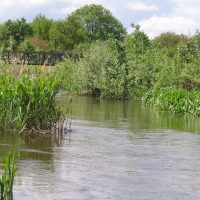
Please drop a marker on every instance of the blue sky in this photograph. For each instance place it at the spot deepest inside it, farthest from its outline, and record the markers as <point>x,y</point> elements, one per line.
<point>154,16</point>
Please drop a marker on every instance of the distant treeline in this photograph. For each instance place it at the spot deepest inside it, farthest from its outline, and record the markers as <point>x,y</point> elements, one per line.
<point>85,25</point>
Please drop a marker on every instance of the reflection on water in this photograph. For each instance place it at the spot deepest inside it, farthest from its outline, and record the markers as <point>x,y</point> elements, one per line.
<point>120,150</point>
<point>129,115</point>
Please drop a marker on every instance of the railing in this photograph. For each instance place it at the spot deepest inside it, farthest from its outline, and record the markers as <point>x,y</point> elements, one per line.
<point>34,58</point>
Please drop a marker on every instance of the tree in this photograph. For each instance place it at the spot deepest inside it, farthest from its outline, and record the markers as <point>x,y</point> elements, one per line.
<point>105,75</point>
<point>27,46</point>
<point>4,38</point>
<point>41,26</point>
<point>99,23</point>
<point>57,35</point>
<point>139,67</point>
<point>16,31</point>
<point>66,34</point>
<point>137,42</point>
<point>169,40</point>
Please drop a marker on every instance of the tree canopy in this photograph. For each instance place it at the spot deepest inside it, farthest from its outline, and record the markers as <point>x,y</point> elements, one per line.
<point>41,26</point>
<point>99,23</point>
<point>16,31</point>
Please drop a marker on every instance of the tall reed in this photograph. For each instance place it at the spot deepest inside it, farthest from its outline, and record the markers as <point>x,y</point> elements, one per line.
<point>177,101</point>
<point>27,99</point>
<point>7,178</point>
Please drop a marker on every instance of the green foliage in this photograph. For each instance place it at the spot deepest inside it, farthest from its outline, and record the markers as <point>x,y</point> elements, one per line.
<point>41,26</point>
<point>189,76</point>
<point>73,76</point>
<point>169,40</point>
<point>102,61</point>
<point>139,59</point>
<point>176,101</point>
<point>7,178</point>
<point>189,51</point>
<point>28,100</point>
<point>99,72</point>
<point>38,43</point>
<point>99,23</point>
<point>104,71</point>
<point>27,46</point>
<point>64,35</point>
<point>16,31</point>
<point>136,43</point>
<point>87,24</point>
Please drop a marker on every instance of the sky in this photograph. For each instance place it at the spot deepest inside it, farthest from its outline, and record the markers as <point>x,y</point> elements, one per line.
<point>154,16</point>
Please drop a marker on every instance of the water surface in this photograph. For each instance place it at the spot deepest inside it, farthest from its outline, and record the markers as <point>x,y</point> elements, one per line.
<point>119,150</point>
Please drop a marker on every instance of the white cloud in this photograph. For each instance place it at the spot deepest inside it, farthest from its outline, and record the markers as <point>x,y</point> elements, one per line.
<point>184,18</point>
<point>72,5</point>
<point>16,9</point>
<point>179,24</point>
<point>82,2</point>
<point>138,6</point>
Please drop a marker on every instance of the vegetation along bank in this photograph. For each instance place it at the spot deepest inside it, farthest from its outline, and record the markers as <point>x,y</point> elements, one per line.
<point>106,61</point>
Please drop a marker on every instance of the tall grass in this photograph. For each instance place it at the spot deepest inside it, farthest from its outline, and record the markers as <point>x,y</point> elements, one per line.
<point>177,101</point>
<point>7,178</point>
<point>27,99</point>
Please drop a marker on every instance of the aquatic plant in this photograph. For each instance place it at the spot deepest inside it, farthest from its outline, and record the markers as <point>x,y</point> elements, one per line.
<point>28,100</point>
<point>177,101</point>
<point>7,178</point>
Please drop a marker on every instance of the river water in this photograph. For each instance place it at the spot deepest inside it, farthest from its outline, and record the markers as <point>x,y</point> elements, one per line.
<point>118,150</point>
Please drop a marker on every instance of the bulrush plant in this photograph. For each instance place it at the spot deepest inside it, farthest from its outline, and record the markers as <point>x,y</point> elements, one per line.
<point>27,101</point>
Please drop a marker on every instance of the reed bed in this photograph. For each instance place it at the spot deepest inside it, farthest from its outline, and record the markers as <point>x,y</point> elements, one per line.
<point>27,98</point>
<point>177,101</point>
<point>7,178</point>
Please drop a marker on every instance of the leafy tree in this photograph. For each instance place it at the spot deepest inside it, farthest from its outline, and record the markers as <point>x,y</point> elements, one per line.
<point>66,34</point>
<point>41,26</point>
<point>4,38</point>
<point>27,46</point>
<point>57,36</point>
<point>39,44</point>
<point>99,23</point>
<point>169,40</point>
<point>16,31</point>
<point>136,45</point>
<point>101,71</point>
<point>137,42</point>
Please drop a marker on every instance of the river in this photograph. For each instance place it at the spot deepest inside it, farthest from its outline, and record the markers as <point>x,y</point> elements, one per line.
<point>119,150</point>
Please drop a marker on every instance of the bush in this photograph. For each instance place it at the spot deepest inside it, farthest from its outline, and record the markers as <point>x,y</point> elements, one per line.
<point>99,72</point>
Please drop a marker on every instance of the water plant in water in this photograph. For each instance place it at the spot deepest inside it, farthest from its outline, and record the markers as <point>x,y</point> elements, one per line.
<point>7,178</point>
<point>27,101</point>
<point>177,101</point>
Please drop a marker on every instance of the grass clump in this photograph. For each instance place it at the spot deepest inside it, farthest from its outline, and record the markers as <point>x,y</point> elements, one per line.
<point>28,100</point>
<point>177,101</point>
<point>7,178</point>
